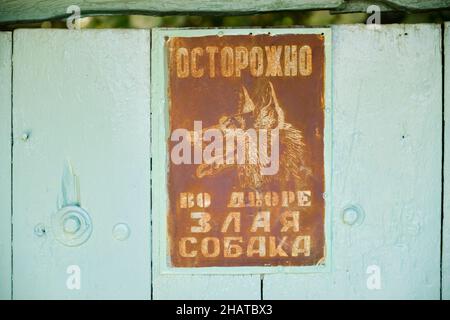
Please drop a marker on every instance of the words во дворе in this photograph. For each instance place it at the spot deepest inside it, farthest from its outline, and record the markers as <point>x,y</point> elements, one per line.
<point>229,244</point>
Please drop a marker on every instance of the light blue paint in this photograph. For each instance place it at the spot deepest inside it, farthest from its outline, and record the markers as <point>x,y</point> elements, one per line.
<point>70,187</point>
<point>387,161</point>
<point>5,165</point>
<point>180,286</point>
<point>84,97</point>
<point>446,226</point>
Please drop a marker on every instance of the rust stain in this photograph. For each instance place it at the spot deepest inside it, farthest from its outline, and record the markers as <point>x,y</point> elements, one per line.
<point>226,211</point>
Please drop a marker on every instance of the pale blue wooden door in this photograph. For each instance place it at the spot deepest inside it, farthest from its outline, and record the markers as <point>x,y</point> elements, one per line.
<point>446,207</point>
<point>5,164</point>
<point>81,132</point>
<point>387,120</point>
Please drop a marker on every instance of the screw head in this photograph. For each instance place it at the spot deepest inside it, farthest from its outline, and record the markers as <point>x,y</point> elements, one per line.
<point>71,224</point>
<point>352,215</point>
<point>39,230</point>
<point>121,231</point>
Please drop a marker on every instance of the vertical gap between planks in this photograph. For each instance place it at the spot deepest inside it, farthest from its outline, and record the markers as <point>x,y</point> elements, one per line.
<point>151,227</point>
<point>442,151</point>
<point>262,286</point>
<point>151,167</point>
<point>11,166</point>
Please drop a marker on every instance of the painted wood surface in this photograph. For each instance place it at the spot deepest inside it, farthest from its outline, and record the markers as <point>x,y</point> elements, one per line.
<point>82,107</point>
<point>25,10</point>
<point>75,95</point>
<point>5,164</point>
<point>446,220</point>
<point>386,162</point>
<point>175,286</point>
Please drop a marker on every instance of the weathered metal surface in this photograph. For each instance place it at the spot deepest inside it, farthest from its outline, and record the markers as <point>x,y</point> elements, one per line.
<point>5,165</point>
<point>256,201</point>
<point>82,97</point>
<point>387,122</point>
<point>12,11</point>
<point>198,282</point>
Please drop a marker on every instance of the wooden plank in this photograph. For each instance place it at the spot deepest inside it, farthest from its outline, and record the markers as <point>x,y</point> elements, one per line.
<point>13,11</point>
<point>446,222</point>
<point>387,163</point>
<point>18,10</point>
<point>392,5</point>
<point>82,106</point>
<point>5,165</point>
<point>170,285</point>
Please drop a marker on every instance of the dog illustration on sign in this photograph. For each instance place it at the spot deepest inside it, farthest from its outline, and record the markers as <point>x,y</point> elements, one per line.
<point>259,143</point>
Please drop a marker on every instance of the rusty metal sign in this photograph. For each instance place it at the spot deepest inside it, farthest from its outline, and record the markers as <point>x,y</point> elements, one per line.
<point>245,176</point>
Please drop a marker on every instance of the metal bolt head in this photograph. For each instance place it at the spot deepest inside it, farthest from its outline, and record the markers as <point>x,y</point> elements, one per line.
<point>39,230</point>
<point>25,136</point>
<point>352,215</point>
<point>72,224</point>
<point>121,231</point>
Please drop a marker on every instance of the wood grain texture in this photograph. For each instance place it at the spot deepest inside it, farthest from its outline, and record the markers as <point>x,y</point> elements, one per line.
<point>386,159</point>
<point>446,221</point>
<point>392,5</point>
<point>84,98</point>
<point>5,164</point>
<point>176,286</point>
<point>12,11</point>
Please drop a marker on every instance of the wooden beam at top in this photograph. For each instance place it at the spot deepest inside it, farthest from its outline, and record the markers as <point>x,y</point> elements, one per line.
<point>16,11</point>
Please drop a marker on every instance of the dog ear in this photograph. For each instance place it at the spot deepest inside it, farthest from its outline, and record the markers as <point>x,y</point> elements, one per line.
<point>246,104</point>
<point>271,110</point>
